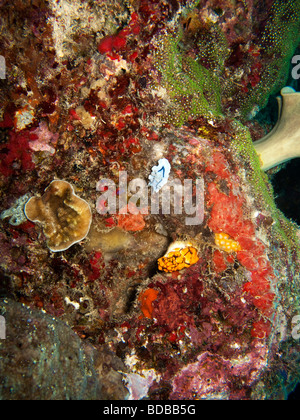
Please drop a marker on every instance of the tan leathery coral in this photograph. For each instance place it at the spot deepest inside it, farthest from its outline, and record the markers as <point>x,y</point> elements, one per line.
<point>283,142</point>
<point>66,218</point>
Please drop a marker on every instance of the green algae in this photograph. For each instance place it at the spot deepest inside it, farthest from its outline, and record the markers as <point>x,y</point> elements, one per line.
<point>193,89</point>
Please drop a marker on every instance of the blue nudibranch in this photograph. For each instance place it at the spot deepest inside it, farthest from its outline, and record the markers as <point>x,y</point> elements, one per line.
<point>160,174</point>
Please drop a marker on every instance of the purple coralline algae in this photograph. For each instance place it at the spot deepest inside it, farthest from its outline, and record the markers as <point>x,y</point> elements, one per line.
<point>193,293</point>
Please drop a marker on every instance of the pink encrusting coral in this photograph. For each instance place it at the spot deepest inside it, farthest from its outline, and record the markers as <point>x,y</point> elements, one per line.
<point>131,219</point>
<point>228,216</point>
<point>44,140</point>
<point>210,376</point>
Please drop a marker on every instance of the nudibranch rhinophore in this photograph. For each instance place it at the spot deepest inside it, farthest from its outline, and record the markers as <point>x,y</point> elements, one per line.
<point>180,255</point>
<point>283,142</point>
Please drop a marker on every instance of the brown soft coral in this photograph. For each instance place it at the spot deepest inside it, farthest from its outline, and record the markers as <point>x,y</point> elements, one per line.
<point>66,218</point>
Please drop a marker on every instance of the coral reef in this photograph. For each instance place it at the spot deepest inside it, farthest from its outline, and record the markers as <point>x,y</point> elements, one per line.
<point>186,290</point>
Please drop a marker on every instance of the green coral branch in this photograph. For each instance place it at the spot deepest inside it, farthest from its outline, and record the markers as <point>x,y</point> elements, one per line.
<point>278,44</point>
<point>193,90</point>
